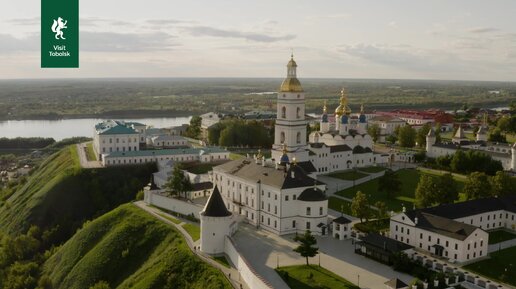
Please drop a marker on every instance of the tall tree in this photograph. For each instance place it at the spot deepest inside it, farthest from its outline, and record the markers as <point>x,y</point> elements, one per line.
<point>178,183</point>
<point>421,134</point>
<point>374,131</point>
<point>360,206</point>
<point>503,184</point>
<point>446,189</point>
<point>307,244</point>
<point>407,136</point>
<point>194,129</point>
<point>382,209</point>
<point>477,186</point>
<point>389,183</point>
<point>425,191</point>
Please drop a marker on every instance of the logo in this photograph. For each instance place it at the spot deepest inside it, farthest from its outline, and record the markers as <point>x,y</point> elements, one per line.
<point>58,26</point>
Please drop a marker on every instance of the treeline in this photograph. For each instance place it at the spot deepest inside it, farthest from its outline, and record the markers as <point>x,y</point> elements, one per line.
<point>235,132</point>
<point>466,162</point>
<point>25,142</point>
<point>444,190</point>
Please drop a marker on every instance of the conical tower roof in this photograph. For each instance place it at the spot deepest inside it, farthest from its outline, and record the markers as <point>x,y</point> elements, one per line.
<point>215,206</point>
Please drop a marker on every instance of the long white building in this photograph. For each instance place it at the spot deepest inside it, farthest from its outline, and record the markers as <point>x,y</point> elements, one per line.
<point>455,231</point>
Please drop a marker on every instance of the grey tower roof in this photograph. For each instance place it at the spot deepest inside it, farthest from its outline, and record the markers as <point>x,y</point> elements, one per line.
<point>215,206</point>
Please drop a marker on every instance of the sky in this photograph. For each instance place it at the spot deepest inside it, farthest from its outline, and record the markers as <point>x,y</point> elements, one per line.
<point>409,39</point>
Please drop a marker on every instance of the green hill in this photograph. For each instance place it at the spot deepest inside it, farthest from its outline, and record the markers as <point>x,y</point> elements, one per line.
<point>129,249</point>
<point>60,196</point>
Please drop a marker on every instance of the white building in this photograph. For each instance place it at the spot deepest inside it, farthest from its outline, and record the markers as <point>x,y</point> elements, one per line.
<point>282,199</point>
<point>341,228</point>
<point>206,154</point>
<point>208,120</point>
<point>116,136</point>
<point>341,145</point>
<point>501,152</point>
<point>216,223</point>
<point>387,124</point>
<point>167,141</point>
<point>455,231</point>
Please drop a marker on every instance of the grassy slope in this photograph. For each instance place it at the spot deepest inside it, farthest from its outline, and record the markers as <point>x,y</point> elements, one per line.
<point>129,249</point>
<point>60,193</point>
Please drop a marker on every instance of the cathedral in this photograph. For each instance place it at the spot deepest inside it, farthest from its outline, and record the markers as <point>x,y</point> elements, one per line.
<point>338,145</point>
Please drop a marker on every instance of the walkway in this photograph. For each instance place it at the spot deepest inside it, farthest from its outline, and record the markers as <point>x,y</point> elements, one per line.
<point>266,251</point>
<point>234,275</point>
<point>85,163</point>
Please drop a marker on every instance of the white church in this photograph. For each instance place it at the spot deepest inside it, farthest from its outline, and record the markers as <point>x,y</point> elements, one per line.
<point>339,145</point>
<point>282,194</point>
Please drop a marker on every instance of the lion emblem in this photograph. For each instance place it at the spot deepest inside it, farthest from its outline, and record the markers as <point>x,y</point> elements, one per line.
<point>57,27</point>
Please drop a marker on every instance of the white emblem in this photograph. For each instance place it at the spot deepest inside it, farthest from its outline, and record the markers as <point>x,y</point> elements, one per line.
<point>57,27</point>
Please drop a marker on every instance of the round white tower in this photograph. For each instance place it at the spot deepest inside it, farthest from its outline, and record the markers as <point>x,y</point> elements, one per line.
<point>430,141</point>
<point>216,223</point>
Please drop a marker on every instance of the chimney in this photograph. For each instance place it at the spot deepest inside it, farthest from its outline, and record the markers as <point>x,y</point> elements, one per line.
<point>292,175</point>
<point>263,161</point>
<point>415,220</point>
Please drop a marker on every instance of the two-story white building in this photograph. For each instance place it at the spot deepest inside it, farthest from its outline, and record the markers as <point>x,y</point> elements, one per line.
<point>115,136</point>
<point>455,231</point>
<point>280,198</point>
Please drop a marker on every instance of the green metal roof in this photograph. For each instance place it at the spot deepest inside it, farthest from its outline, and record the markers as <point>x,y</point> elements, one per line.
<point>114,127</point>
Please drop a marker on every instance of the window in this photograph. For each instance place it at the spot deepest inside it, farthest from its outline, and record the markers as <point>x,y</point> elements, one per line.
<point>455,256</point>
<point>283,112</point>
<point>429,238</point>
<point>298,137</point>
<point>308,225</point>
<point>286,198</point>
<point>447,243</point>
<point>294,224</point>
<point>275,209</point>
<point>321,211</point>
<point>456,247</point>
<point>308,213</point>
<point>298,112</point>
<point>282,137</point>
<point>420,235</point>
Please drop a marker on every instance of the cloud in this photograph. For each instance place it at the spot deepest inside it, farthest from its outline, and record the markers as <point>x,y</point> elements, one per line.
<point>483,29</point>
<point>166,21</point>
<point>223,33</point>
<point>125,42</point>
<point>25,21</point>
<point>97,41</point>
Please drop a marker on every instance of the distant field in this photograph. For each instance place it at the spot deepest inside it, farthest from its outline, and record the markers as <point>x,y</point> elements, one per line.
<point>119,98</point>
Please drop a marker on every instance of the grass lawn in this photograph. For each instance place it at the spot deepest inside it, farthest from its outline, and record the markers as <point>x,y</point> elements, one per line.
<point>172,219</point>
<point>200,168</point>
<point>495,267</point>
<point>372,170</point>
<point>409,179</point>
<point>90,153</point>
<point>339,205</point>
<point>348,175</point>
<point>222,260</point>
<point>500,236</point>
<point>308,277</point>
<point>193,230</point>
<point>376,226</point>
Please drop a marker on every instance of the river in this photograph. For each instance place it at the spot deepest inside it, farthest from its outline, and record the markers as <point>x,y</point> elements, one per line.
<point>60,129</point>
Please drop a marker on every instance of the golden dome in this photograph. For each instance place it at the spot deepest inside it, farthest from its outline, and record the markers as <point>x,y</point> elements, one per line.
<point>292,63</point>
<point>291,85</point>
<point>343,107</point>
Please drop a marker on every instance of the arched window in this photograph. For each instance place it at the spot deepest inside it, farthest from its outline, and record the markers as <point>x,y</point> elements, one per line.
<point>282,137</point>
<point>298,112</point>
<point>298,137</point>
<point>283,112</point>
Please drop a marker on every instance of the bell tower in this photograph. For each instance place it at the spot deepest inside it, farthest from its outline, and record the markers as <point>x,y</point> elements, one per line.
<point>290,129</point>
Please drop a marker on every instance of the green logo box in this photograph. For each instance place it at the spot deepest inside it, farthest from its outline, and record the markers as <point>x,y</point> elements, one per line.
<point>59,33</point>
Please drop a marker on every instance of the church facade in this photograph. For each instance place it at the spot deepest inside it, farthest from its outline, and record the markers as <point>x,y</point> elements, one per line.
<point>339,145</point>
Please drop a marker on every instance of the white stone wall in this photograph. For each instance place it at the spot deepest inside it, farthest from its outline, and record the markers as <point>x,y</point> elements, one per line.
<point>250,276</point>
<point>186,208</point>
<point>127,160</point>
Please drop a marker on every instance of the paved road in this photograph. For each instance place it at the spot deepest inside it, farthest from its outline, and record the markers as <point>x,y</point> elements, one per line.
<point>266,251</point>
<point>81,151</point>
<point>235,277</point>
